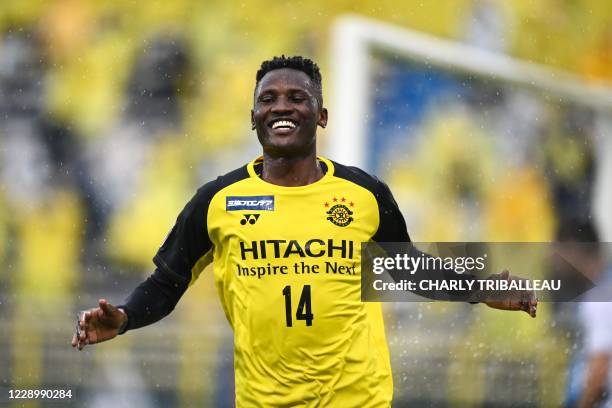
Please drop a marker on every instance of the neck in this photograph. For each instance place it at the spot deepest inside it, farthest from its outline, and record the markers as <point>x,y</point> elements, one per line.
<point>291,171</point>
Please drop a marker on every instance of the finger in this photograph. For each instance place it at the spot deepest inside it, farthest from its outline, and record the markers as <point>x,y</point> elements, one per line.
<point>83,328</point>
<point>106,307</point>
<point>504,275</point>
<point>531,310</point>
<point>84,320</point>
<point>83,316</point>
<point>83,343</point>
<point>533,306</point>
<point>84,325</point>
<point>533,303</point>
<point>528,296</point>
<point>528,304</point>
<point>74,341</point>
<point>523,301</point>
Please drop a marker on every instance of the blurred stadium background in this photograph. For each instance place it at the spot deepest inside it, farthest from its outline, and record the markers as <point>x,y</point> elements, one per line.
<point>112,113</point>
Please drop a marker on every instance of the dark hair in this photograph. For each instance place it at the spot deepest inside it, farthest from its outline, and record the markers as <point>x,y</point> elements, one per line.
<point>299,63</point>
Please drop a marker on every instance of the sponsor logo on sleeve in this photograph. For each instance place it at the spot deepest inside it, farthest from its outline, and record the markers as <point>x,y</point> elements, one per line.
<point>252,203</point>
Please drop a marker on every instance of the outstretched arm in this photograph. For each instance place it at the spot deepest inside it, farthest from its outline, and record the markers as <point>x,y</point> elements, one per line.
<point>392,228</point>
<point>181,254</point>
<point>524,300</point>
<point>152,300</point>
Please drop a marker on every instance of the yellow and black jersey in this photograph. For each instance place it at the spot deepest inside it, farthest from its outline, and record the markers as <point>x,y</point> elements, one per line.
<point>286,264</point>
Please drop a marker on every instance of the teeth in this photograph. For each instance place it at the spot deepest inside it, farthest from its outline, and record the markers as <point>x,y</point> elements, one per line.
<point>283,123</point>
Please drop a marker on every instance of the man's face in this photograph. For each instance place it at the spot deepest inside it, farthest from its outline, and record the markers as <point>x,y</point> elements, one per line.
<point>286,113</point>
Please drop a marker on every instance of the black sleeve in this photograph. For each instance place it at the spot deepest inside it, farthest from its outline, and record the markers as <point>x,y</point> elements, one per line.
<point>153,299</point>
<point>186,243</point>
<point>392,228</point>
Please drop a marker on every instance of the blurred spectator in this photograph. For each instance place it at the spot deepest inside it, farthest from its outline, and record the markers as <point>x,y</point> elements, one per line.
<point>39,154</point>
<point>568,157</point>
<point>595,317</point>
<point>487,26</point>
<point>152,110</point>
<point>519,125</point>
<point>39,181</point>
<point>589,380</point>
<point>154,85</point>
<point>597,64</point>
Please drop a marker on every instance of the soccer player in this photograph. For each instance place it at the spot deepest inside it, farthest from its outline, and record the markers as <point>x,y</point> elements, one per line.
<point>283,233</point>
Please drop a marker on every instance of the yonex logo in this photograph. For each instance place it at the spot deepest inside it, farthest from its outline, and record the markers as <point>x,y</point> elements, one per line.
<point>250,218</point>
<point>262,203</point>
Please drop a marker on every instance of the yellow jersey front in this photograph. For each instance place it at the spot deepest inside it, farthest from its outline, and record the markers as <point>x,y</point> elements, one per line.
<point>286,264</point>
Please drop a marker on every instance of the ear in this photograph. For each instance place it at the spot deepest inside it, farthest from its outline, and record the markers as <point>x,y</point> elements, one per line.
<point>322,118</point>
<point>252,120</point>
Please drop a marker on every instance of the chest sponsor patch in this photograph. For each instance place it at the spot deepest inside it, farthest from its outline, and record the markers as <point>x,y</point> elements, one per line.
<point>253,203</point>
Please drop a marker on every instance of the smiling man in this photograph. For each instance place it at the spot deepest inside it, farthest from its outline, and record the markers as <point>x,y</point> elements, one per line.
<point>284,234</point>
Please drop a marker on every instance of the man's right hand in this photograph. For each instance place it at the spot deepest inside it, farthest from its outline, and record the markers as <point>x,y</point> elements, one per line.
<point>99,324</point>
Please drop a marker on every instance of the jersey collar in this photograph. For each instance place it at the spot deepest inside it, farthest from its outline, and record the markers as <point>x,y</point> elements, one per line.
<point>328,174</point>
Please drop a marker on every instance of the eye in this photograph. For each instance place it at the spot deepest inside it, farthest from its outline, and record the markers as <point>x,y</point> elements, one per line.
<point>298,98</point>
<point>265,98</point>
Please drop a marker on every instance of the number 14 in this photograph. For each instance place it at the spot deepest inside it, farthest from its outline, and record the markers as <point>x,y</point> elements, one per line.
<point>304,309</point>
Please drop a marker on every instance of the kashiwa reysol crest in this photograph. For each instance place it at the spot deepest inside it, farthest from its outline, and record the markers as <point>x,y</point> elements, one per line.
<point>339,211</point>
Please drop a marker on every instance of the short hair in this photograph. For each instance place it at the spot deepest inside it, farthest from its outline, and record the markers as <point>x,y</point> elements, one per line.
<point>299,63</point>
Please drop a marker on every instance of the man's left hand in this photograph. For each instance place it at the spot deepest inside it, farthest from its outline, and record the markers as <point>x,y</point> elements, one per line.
<point>524,300</point>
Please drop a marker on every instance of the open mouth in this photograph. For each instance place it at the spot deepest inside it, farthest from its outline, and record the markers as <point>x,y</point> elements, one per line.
<point>283,125</point>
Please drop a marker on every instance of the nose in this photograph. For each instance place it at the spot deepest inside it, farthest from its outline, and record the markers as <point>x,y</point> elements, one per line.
<point>282,104</point>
